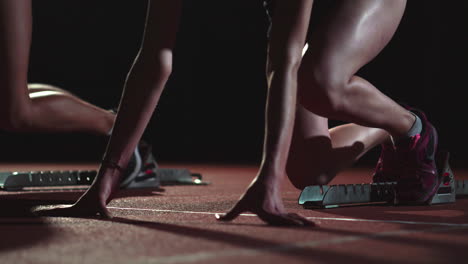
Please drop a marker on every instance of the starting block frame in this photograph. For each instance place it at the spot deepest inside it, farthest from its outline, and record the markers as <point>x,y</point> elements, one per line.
<point>79,179</point>
<point>142,172</point>
<point>332,196</point>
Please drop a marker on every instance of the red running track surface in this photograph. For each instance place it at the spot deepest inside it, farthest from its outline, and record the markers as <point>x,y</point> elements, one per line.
<point>177,225</point>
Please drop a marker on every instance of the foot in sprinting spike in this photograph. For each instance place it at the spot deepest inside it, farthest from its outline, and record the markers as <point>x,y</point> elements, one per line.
<point>414,165</point>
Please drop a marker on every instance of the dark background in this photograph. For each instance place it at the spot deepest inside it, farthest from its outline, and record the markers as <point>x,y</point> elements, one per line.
<point>212,108</point>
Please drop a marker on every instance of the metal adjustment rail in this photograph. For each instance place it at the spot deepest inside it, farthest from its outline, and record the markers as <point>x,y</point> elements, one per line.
<point>45,180</point>
<point>15,181</point>
<point>142,172</point>
<point>332,196</point>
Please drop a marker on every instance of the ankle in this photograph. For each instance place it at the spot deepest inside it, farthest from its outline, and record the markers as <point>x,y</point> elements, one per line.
<point>412,127</point>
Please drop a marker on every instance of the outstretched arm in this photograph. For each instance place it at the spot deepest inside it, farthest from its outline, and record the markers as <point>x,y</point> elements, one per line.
<point>288,35</point>
<point>143,88</point>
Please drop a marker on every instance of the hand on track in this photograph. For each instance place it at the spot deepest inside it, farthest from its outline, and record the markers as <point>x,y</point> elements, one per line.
<point>267,205</point>
<point>79,209</point>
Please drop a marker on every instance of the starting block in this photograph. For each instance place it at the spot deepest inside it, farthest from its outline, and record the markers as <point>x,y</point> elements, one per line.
<point>332,196</point>
<point>142,172</point>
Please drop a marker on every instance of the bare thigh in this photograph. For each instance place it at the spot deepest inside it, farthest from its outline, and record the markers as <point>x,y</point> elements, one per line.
<point>41,87</point>
<point>341,41</point>
<point>349,37</point>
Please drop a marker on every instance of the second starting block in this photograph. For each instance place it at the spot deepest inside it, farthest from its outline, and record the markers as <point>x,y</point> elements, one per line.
<point>332,196</point>
<point>142,172</point>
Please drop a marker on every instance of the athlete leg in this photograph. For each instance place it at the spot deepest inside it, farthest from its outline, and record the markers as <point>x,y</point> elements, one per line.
<point>56,110</point>
<point>36,110</point>
<point>352,35</point>
<point>42,87</point>
<point>329,87</point>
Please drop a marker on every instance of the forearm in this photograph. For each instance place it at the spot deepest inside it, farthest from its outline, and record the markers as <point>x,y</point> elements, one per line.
<point>280,114</point>
<point>143,89</point>
<point>289,28</point>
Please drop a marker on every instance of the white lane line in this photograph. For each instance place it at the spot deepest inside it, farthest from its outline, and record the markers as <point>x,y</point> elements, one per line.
<point>281,248</point>
<point>167,211</point>
<point>389,221</point>
<point>312,218</point>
